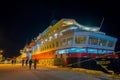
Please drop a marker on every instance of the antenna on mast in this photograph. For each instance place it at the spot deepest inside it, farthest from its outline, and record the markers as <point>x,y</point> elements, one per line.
<point>26,43</point>
<point>101,23</point>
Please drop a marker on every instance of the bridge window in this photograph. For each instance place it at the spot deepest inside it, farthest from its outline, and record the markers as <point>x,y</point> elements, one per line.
<point>93,40</point>
<point>110,43</point>
<point>80,39</point>
<point>69,41</point>
<point>63,42</point>
<point>102,42</point>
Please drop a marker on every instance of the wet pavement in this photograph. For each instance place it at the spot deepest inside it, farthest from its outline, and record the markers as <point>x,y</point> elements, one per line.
<point>17,72</point>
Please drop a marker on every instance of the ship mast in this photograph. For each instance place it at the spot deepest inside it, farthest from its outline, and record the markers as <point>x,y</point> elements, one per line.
<point>101,23</point>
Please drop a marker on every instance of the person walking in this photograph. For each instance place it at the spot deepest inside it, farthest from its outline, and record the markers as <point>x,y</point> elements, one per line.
<point>30,64</point>
<point>26,63</point>
<point>35,63</point>
<point>12,61</point>
<point>23,63</point>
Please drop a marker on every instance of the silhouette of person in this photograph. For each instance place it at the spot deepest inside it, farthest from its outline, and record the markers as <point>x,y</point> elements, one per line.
<point>30,64</point>
<point>12,61</point>
<point>23,63</point>
<point>26,62</point>
<point>35,63</point>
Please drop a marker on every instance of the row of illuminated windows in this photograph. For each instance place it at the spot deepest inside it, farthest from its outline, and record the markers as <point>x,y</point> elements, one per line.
<point>83,50</point>
<point>78,40</point>
<point>93,41</point>
<point>64,42</point>
<point>50,38</point>
<point>55,36</point>
<point>52,45</point>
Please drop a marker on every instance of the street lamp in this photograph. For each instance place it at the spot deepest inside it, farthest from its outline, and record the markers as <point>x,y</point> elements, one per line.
<point>1,56</point>
<point>1,51</point>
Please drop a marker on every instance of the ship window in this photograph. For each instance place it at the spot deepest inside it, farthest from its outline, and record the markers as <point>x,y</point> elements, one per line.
<point>64,42</point>
<point>100,51</point>
<point>47,47</point>
<point>104,51</point>
<point>46,40</point>
<point>57,44</point>
<point>41,49</point>
<point>80,39</point>
<point>110,43</point>
<point>53,45</point>
<point>50,45</point>
<point>69,41</point>
<point>60,43</point>
<point>93,40</point>
<point>42,42</point>
<point>44,48</point>
<point>77,50</point>
<point>55,35</point>
<point>92,50</point>
<point>61,51</point>
<point>102,42</point>
<point>57,52</point>
<point>61,34</point>
<point>37,46</point>
<point>50,38</point>
<point>110,52</point>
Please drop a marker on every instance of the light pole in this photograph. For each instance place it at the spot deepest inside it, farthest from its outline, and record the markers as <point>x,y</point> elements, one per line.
<point>1,51</point>
<point>1,56</point>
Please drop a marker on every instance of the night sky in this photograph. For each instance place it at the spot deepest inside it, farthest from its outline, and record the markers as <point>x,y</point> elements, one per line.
<point>21,21</point>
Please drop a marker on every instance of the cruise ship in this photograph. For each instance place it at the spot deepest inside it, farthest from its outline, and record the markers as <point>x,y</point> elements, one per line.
<point>68,43</point>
